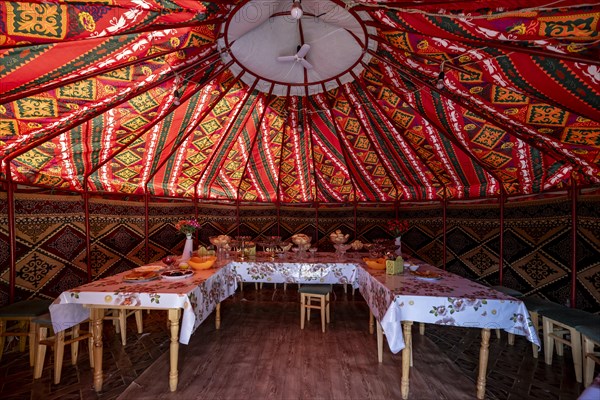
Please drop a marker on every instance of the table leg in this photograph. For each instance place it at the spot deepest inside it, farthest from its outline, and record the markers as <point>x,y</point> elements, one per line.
<point>174,348</point>
<point>218,316</point>
<point>406,356</point>
<point>371,322</point>
<point>483,361</point>
<point>97,316</point>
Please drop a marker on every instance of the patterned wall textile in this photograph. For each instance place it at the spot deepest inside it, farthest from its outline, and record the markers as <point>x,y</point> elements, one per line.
<point>51,254</point>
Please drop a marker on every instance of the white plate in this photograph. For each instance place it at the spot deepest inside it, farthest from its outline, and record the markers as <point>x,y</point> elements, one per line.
<point>430,279</point>
<point>176,275</point>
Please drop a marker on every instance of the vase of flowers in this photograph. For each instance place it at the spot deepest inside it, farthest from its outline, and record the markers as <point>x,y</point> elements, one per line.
<point>187,227</point>
<point>397,228</point>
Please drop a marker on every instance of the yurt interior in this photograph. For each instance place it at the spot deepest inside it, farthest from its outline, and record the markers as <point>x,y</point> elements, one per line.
<point>300,199</point>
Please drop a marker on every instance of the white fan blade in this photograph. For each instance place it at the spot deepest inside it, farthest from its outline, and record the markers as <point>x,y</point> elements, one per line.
<point>306,64</point>
<point>303,50</point>
<point>286,58</point>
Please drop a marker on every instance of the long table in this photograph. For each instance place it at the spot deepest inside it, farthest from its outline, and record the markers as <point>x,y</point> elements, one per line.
<point>192,299</point>
<point>395,301</point>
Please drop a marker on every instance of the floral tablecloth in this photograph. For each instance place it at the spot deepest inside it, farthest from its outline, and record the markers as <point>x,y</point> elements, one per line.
<point>451,300</point>
<point>320,268</point>
<point>197,296</point>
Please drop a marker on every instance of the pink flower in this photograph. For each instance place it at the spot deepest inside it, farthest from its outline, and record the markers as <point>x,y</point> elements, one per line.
<point>397,228</point>
<point>188,226</point>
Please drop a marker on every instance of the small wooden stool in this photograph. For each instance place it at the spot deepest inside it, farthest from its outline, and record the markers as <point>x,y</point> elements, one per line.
<point>22,312</point>
<point>314,297</point>
<point>536,306</point>
<point>557,324</point>
<point>590,334</point>
<point>72,336</point>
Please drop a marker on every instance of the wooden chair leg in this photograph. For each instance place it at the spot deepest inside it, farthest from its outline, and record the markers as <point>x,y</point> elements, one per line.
<point>74,344</point>
<point>23,327</point>
<point>59,353</point>
<point>40,352</point>
<point>536,325</point>
<point>498,334</point>
<point>548,341</point>
<point>2,337</point>
<point>139,322</point>
<point>323,313</point>
<point>345,288</point>
<point>33,328</point>
<point>588,361</point>
<point>511,339</point>
<point>577,354</point>
<point>421,330</point>
<point>123,326</point>
<point>302,310</point>
<point>327,308</point>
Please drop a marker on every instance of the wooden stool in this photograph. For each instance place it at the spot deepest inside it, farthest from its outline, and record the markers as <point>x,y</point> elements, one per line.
<point>559,322</point>
<point>22,312</point>
<point>590,334</point>
<point>314,297</point>
<point>119,317</point>
<point>73,336</point>
<point>536,307</point>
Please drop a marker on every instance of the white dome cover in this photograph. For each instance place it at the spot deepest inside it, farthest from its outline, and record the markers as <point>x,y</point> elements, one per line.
<point>260,31</point>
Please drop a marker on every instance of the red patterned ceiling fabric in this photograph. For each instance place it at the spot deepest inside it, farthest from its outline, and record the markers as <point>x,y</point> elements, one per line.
<point>134,97</point>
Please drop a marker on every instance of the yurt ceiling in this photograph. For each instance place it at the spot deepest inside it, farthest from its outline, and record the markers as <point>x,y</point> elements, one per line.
<point>324,101</point>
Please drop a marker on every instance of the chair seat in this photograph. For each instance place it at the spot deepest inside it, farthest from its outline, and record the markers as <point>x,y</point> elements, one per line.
<point>591,330</point>
<point>25,308</point>
<point>315,289</point>
<point>537,304</point>
<point>568,316</point>
<point>508,291</point>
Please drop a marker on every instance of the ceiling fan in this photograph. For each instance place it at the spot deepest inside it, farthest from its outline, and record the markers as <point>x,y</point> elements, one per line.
<point>298,57</point>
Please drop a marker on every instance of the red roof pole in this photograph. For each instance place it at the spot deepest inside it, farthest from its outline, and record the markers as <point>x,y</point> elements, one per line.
<point>146,226</point>
<point>355,210</point>
<point>501,255</point>
<point>12,232</point>
<point>88,239</point>
<point>316,204</point>
<point>574,192</point>
<point>444,226</point>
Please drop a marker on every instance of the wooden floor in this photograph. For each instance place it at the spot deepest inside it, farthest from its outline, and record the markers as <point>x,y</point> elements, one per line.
<point>261,353</point>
